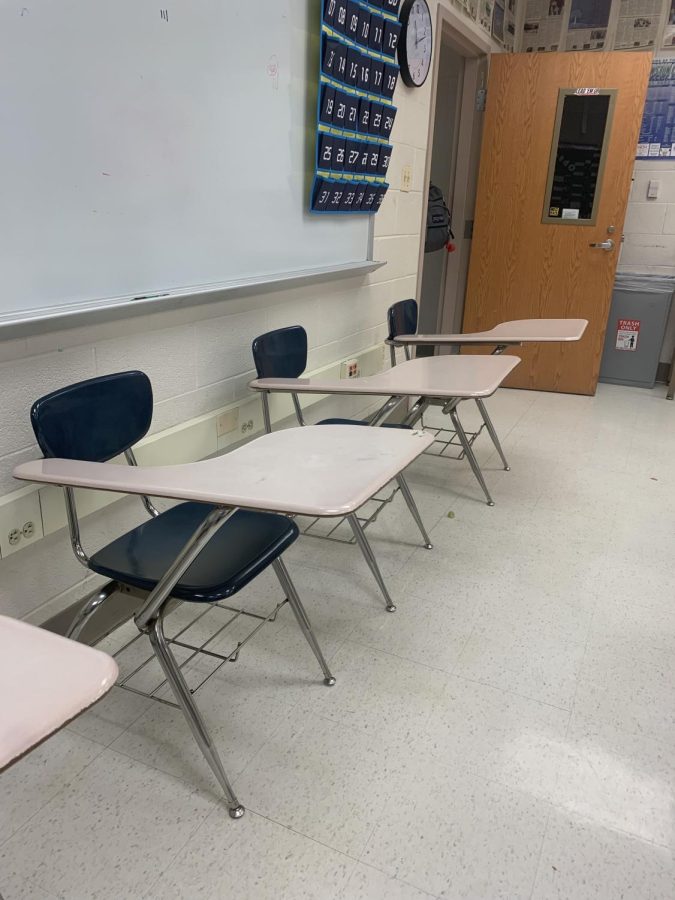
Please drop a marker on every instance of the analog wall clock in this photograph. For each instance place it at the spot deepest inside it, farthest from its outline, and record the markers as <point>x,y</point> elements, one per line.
<point>416,43</point>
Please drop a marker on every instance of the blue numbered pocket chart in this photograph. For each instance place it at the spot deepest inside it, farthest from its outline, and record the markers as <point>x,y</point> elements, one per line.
<point>657,133</point>
<point>355,111</point>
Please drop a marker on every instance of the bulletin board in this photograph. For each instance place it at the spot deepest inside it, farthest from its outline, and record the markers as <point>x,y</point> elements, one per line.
<point>657,133</point>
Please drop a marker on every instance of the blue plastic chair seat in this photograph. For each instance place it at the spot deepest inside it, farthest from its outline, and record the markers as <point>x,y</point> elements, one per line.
<point>243,547</point>
<point>360,422</point>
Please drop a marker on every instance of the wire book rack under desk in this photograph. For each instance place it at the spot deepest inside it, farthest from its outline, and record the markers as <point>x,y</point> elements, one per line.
<point>447,443</point>
<point>197,634</point>
<point>339,530</point>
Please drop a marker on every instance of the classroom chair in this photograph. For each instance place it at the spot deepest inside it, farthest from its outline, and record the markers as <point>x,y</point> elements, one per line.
<point>402,318</point>
<point>282,353</point>
<point>101,418</point>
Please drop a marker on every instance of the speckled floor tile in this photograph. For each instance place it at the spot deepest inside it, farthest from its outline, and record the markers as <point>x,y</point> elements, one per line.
<point>253,859</point>
<point>407,633</point>
<point>367,883</point>
<point>32,782</point>
<point>378,693</point>
<point>479,729</point>
<point>107,833</point>
<point>633,695</point>
<point>621,780</point>
<point>459,837</point>
<point>323,779</point>
<point>584,861</point>
<point>543,667</point>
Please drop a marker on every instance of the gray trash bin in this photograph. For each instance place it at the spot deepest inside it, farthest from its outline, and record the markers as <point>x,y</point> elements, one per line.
<point>635,328</point>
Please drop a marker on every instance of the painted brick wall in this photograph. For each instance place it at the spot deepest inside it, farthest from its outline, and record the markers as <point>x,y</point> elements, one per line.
<point>199,358</point>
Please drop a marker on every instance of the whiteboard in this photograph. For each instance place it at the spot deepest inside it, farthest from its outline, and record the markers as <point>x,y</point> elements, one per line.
<point>156,147</point>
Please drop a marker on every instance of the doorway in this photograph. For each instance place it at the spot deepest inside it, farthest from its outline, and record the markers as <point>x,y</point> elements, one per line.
<point>561,133</point>
<point>455,126</point>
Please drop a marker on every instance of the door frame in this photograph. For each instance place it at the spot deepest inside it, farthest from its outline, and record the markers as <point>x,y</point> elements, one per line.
<point>454,31</point>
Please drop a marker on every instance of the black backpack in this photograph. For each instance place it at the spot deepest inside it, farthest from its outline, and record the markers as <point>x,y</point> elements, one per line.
<point>439,231</point>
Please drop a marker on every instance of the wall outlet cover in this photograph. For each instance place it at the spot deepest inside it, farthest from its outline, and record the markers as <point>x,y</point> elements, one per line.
<point>20,522</point>
<point>350,369</point>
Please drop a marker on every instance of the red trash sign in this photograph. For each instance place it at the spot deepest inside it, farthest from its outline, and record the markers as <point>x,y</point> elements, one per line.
<point>627,333</point>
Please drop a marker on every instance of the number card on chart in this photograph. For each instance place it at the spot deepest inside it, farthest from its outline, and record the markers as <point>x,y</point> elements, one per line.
<point>358,74</point>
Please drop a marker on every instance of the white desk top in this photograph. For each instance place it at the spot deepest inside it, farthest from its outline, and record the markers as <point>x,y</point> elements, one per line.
<point>319,470</point>
<point>45,681</point>
<point>520,331</point>
<point>431,376</point>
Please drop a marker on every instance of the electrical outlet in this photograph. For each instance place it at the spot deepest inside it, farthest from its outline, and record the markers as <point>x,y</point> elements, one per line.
<point>20,521</point>
<point>227,422</point>
<point>350,369</point>
<point>406,178</point>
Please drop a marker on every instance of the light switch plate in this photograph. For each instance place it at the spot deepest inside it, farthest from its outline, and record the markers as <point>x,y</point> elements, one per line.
<point>653,189</point>
<point>406,178</point>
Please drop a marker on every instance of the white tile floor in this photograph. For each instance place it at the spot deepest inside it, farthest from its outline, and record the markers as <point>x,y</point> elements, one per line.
<point>508,733</point>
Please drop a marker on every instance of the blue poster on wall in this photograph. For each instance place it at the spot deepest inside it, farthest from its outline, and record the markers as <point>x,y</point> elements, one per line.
<point>657,133</point>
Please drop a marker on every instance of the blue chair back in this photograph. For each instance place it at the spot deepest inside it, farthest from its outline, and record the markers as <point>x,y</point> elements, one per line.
<point>94,420</point>
<point>281,353</point>
<point>402,318</point>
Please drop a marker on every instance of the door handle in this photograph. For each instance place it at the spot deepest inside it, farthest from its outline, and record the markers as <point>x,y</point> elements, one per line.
<point>603,245</point>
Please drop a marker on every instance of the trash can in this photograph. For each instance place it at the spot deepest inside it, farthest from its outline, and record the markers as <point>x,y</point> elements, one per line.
<point>635,328</point>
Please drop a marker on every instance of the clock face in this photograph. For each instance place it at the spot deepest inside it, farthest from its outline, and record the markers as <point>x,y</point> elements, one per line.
<point>418,43</point>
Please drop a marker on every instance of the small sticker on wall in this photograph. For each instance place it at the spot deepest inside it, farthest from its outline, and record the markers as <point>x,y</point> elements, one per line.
<point>627,334</point>
<point>570,213</point>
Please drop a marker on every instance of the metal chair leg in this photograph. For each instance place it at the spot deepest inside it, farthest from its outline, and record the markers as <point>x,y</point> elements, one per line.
<point>303,621</point>
<point>473,462</point>
<point>369,556</point>
<point>186,702</point>
<point>412,506</point>
<point>492,432</point>
<point>88,609</point>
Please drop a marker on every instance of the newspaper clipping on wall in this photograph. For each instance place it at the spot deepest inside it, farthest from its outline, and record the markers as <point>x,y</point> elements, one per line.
<point>638,23</point>
<point>587,28</point>
<point>498,22</point>
<point>510,24</point>
<point>542,29</point>
<point>468,7</point>
<point>485,14</point>
<point>669,33</point>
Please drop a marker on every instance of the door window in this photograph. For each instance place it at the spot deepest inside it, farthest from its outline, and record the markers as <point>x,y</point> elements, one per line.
<point>580,139</point>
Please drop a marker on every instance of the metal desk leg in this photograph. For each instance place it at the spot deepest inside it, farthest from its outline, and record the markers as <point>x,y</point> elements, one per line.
<point>182,694</point>
<point>88,609</point>
<point>303,620</point>
<point>369,556</point>
<point>473,462</point>
<point>415,513</point>
<point>491,431</point>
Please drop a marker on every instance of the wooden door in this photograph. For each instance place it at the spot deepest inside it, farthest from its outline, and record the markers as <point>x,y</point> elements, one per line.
<point>522,267</point>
